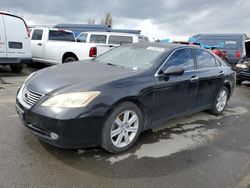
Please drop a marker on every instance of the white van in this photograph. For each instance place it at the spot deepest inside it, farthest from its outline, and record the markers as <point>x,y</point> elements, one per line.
<point>109,40</point>
<point>15,47</point>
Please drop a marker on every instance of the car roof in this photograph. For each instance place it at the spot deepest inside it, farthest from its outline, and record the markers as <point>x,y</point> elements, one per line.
<point>219,35</point>
<point>167,46</point>
<point>111,33</point>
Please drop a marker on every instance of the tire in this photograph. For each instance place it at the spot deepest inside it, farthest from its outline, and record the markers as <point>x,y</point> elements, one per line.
<point>122,130</point>
<point>238,82</point>
<point>220,101</point>
<point>69,59</point>
<point>16,68</point>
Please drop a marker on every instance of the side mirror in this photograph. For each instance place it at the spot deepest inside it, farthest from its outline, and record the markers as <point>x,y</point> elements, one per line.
<point>173,71</point>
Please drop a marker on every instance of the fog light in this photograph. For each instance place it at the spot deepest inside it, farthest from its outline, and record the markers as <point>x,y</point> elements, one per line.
<point>54,136</point>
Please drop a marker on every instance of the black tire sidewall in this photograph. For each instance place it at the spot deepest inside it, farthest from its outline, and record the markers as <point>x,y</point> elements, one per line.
<point>238,82</point>
<point>16,68</point>
<point>106,142</point>
<point>69,58</point>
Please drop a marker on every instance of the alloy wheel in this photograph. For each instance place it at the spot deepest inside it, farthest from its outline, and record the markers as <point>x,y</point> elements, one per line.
<point>124,128</point>
<point>221,100</point>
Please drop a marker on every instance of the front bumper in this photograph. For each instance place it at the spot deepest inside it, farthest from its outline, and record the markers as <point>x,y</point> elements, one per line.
<point>71,133</point>
<point>243,74</point>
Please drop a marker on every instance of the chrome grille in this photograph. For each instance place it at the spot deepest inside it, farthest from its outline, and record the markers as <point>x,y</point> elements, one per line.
<point>31,97</point>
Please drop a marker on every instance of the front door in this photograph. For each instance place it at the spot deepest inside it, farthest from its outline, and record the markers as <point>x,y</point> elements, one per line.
<point>177,94</point>
<point>37,44</point>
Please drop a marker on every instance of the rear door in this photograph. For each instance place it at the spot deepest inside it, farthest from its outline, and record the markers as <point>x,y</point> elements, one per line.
<point>210,78</point>
<point>17,39</point>
<point>37,43</point>
<point>2,38</point>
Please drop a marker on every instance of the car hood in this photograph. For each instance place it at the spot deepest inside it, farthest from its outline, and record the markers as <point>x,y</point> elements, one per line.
<point>77,76</point>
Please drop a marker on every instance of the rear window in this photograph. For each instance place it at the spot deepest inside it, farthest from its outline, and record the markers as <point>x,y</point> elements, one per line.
<point>143,39</point>
<point>37,34</point>
<point>226,43</point>
<point>114,39</point>
<point>61,35</point>
<point>98,39</point>
<point>205,59</point>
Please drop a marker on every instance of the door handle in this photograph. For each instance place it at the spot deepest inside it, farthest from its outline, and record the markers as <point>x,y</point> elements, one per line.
<point>194,78</point>
<point>39,44</point>
<point>222,73</point>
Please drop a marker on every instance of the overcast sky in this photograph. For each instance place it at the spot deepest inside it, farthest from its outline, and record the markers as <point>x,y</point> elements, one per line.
<point>158,18</point>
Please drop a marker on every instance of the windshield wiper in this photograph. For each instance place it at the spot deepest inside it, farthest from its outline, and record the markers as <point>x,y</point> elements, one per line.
<point>115,65</point>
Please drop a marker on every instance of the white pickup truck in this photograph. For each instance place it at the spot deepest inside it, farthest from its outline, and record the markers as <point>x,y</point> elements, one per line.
<point>55,46</point>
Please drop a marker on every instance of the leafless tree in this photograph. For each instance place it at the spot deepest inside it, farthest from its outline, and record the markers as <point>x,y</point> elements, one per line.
<point>107,20</point>
<point>91,21</point>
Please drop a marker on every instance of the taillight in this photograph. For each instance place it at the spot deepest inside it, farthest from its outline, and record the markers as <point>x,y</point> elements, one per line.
<point>238,54</point>
<point>92,52</point>
<point>27,29</point>
<point>220,53</point>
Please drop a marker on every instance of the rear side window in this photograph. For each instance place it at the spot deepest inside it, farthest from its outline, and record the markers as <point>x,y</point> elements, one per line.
<point>183,58</point>
<point>98,39</point>
<point>37,34</point>
<point>114,39</point>
<point>204,59</point>
<point>143,39</point>
<point>61,35</point>
<point>82,37</point>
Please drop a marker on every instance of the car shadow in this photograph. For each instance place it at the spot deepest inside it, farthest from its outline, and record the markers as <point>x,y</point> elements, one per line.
<point>150,156</point>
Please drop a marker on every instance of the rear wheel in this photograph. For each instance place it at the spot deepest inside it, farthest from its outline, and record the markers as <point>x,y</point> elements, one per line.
<point>69,59</point>
<point>122,128</point>
<point>220,101</point>
<point>16,68</point>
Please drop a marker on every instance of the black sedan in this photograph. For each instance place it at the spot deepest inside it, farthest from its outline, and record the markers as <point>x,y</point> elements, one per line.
<point>243,71</point>
<point>110,100</point>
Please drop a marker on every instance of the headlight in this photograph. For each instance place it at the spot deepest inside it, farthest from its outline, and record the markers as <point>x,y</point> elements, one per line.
<point>71,100</point>
<point>243,66</point>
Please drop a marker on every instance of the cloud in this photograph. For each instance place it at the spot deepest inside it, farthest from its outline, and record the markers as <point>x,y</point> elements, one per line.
<point>158,19</point>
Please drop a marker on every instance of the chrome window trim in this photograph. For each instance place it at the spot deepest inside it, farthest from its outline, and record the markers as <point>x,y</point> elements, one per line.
<point>157,72</point>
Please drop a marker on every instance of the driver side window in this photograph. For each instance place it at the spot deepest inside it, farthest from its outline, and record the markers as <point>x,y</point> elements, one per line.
<point>182,58</point>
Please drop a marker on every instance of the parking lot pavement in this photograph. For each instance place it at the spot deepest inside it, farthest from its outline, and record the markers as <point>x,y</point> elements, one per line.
<point>201,150</point>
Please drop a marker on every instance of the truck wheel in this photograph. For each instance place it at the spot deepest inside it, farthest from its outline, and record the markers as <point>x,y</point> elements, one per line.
<point>16,68</point>
<point>69,59</point>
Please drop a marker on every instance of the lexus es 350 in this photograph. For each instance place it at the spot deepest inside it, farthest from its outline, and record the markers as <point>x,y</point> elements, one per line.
<point>110,100</point>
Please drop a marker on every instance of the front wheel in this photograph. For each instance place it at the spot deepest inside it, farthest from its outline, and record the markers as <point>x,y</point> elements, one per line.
<point>220,101</point>
<point>122,128</point>
<point>16,68</point>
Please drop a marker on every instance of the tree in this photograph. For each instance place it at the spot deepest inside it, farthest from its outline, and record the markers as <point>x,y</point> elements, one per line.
<point>91,21</point>
<point>108,21</point>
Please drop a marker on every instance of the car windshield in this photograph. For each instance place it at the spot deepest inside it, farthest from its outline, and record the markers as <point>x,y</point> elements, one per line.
<point>133,57</point>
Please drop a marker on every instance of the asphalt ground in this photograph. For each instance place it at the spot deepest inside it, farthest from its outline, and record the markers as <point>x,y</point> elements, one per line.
<point>201,150</point>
